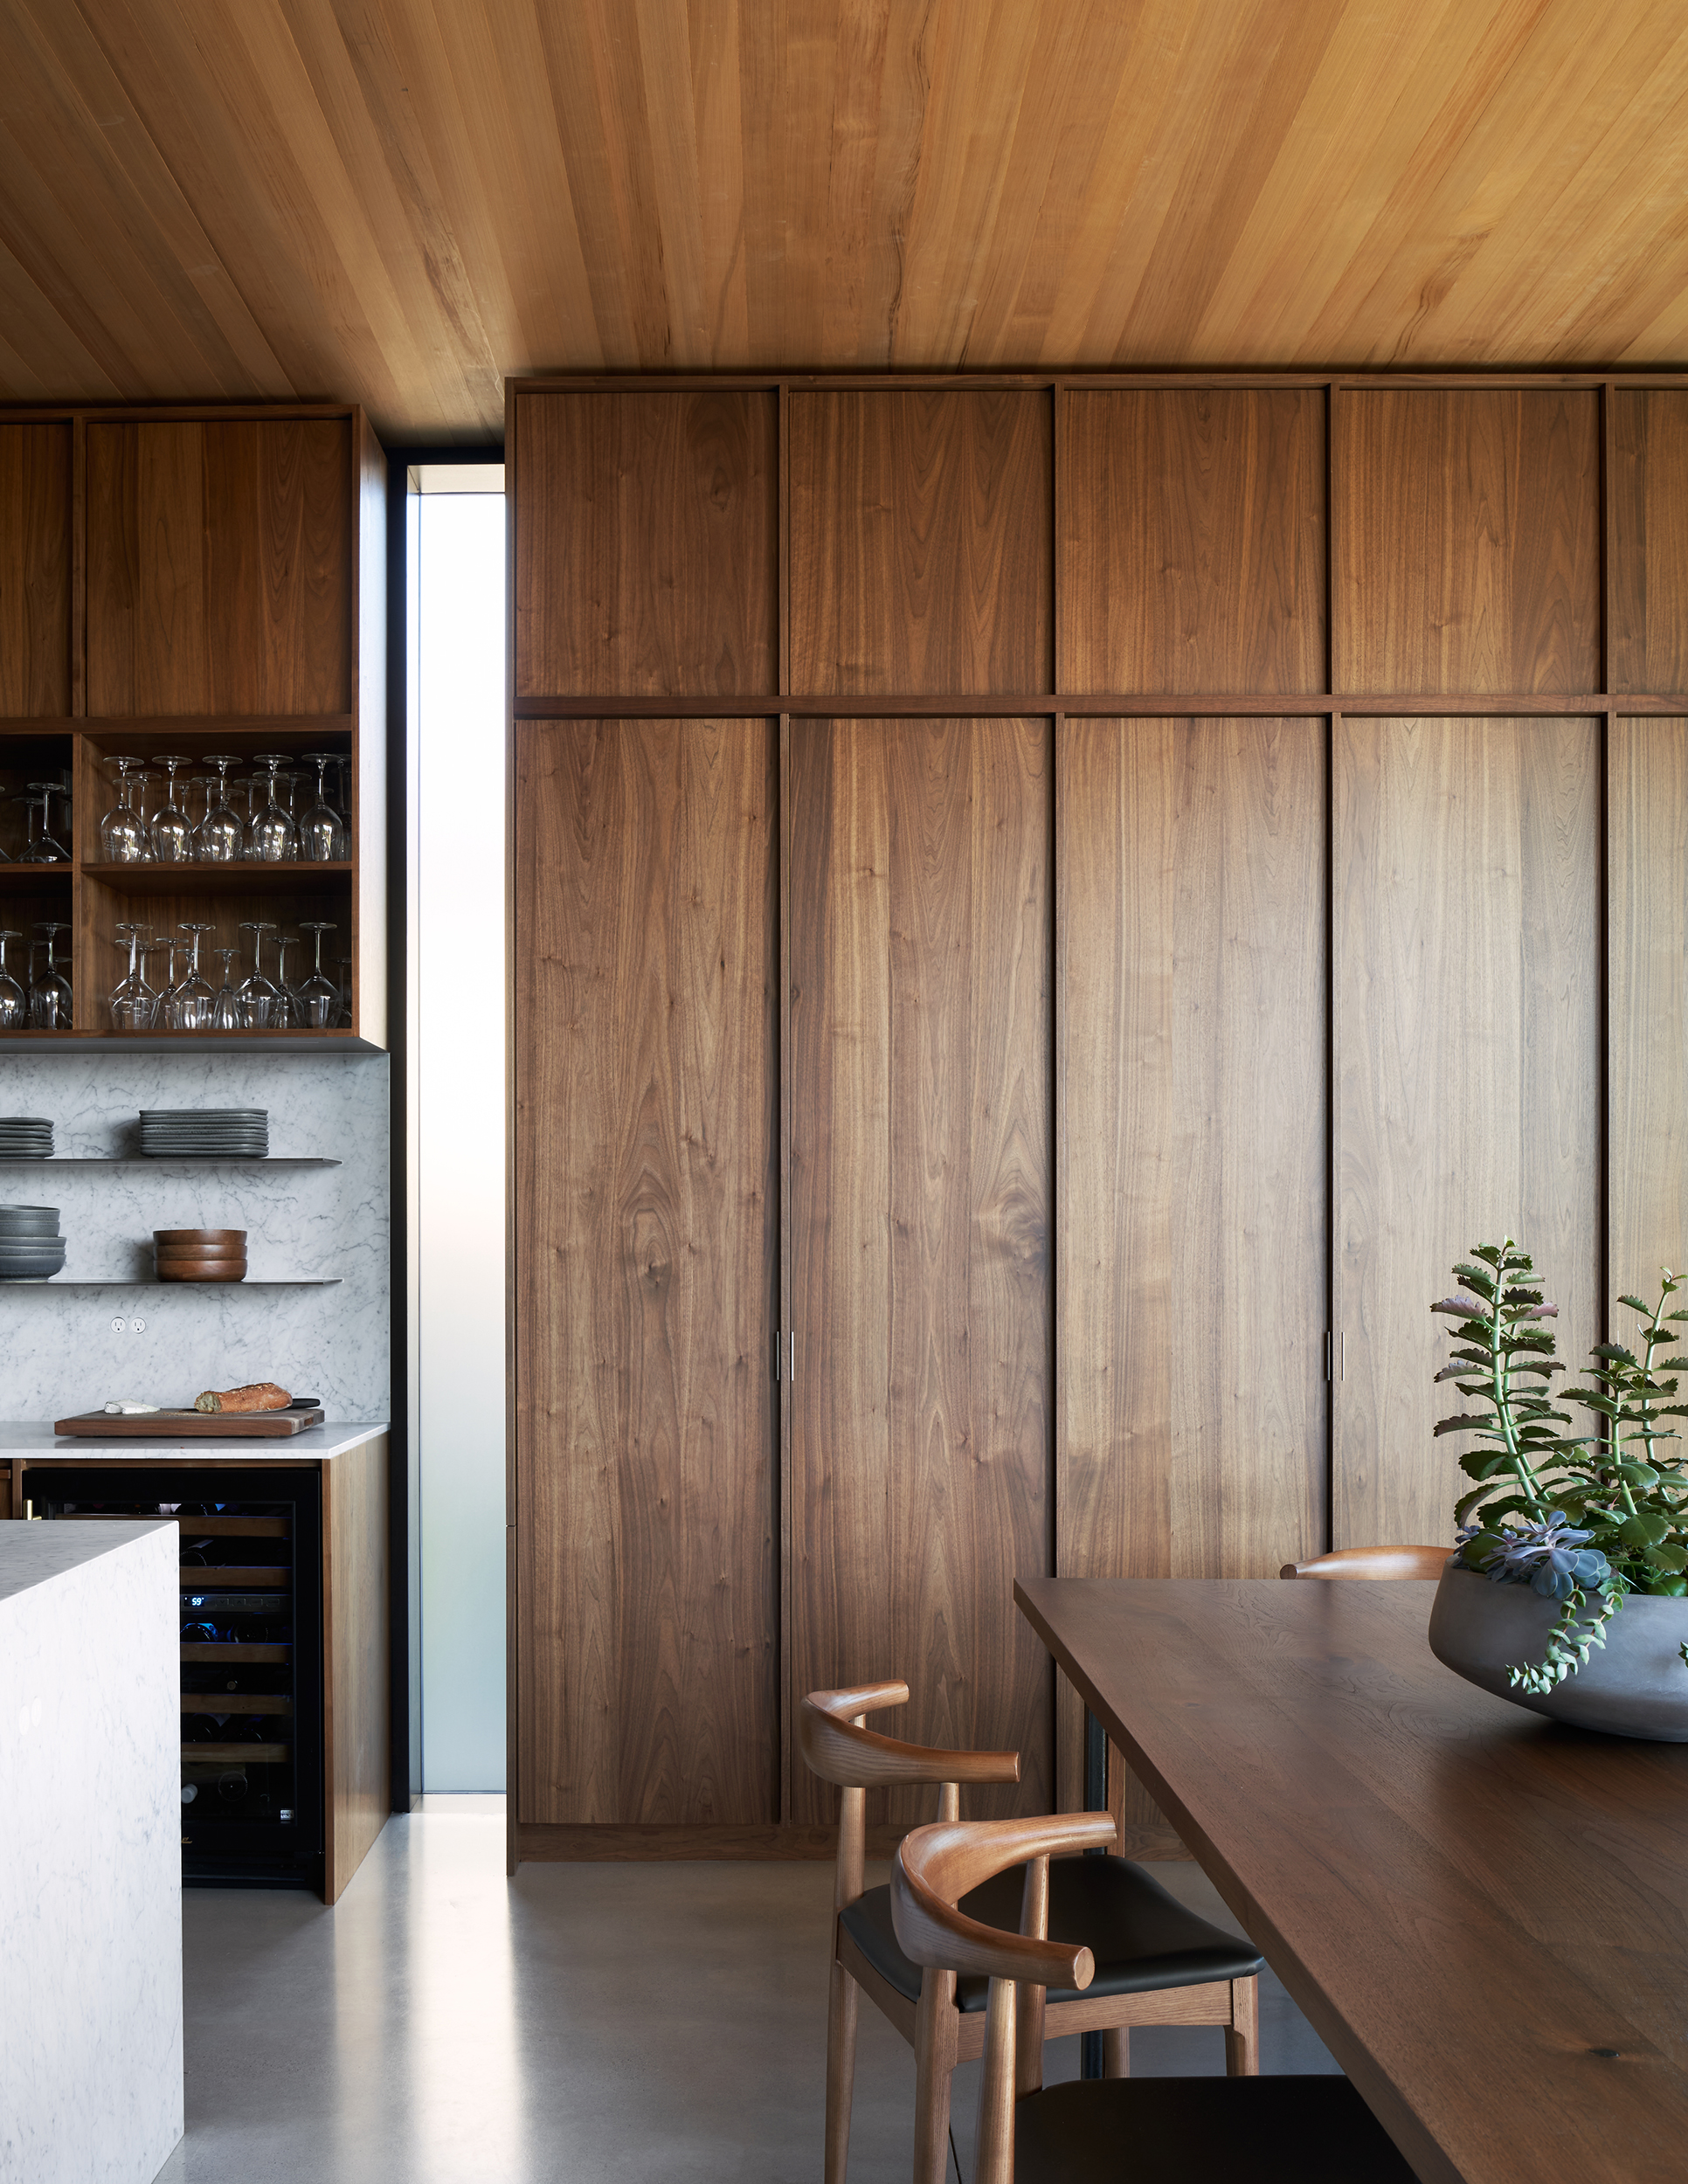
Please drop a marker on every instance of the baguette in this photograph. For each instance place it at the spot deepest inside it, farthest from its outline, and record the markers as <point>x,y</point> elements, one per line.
<point>257,1395</point>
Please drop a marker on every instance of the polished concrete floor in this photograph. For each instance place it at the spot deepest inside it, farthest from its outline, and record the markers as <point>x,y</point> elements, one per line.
<point>614,2024</point>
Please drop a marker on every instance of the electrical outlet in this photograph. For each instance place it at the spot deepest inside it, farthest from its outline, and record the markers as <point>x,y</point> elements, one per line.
<point>119,1326</point>
<point>138,1326</point>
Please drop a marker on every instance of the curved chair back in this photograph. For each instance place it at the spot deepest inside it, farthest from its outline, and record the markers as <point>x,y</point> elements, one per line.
<point>1372,1562</point>
<point>838,1749</point>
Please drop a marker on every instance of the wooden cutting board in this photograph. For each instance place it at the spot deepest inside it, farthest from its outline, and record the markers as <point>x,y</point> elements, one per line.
<point>184,1425</point>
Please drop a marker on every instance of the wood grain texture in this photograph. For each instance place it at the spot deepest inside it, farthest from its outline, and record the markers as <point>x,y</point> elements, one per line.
<point>920,542</point>
<point>1468,1069</point>
<point>220,563</point>
<point>400,202</point>
<point>35,568</point>
<point>1192,540</point>
<point>1648,490</point>
<point>1469,527</point>
<point>643,1135</point>
<point>1647,945</point>
<point>356,1777</point>
<point>918,913</point>
<point>1191,1195</point>
<point>1473,1907</point>
<point>645,544</point>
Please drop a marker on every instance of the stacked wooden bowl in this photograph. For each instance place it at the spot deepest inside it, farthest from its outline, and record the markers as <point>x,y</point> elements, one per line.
<point>200,1254</point>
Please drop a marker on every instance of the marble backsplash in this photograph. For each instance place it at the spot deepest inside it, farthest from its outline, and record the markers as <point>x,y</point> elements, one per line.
<point>59,1351</point>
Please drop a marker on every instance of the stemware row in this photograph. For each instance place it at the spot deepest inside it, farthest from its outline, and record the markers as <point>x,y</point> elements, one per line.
<point>182,998</point>
<point>43,845</point>
<point>45,1002</point>
<point>271,832</point>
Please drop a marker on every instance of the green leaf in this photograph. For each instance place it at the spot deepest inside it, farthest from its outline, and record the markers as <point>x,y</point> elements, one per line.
<point>1464,1425</point>
<point>1638,1473</point>
<point>1473,1278</point>
<point>1667,1558</point>
<point>1615,1350</point>
<point>1644,1530</point>
<point>1490,1254</point>
<point>1635,1304</point>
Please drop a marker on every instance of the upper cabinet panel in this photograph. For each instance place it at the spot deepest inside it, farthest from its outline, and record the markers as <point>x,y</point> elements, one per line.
<point>220,560</point>
<point>645,560</point>
<point>35,568</point>
<point>1468,527</point>
<point>1650,540</point>
<point>920,530</point>
<point>1192,540</point>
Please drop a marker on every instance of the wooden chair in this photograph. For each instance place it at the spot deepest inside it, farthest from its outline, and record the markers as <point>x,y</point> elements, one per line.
<point>1152,2131</point>
<point>1372,1562</point>
<point>1159,1964</point>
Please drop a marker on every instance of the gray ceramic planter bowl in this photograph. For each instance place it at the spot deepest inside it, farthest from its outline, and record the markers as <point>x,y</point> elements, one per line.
<point>1636,1685</point>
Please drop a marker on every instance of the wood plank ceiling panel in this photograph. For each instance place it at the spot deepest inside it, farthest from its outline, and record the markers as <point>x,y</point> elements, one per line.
<point>400,202</point>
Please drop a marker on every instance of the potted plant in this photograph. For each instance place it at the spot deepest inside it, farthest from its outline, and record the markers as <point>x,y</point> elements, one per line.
<point>1568,1590</point>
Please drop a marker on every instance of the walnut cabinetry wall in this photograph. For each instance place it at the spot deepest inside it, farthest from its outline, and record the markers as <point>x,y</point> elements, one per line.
<point>1049,911</point>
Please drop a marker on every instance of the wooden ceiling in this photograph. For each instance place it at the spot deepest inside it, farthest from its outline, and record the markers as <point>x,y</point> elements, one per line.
<point>397,202</point>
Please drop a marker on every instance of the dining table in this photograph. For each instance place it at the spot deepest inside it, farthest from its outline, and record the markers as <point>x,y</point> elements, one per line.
<point>1483,1914</point>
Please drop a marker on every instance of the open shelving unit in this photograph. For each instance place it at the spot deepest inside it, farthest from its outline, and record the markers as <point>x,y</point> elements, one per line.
<point>193,581</point>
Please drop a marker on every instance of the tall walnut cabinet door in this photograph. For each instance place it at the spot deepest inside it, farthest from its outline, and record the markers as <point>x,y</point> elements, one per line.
<point>1467,903</point>
<point>645,1195</point>
<point>918,908</point>
<point>1192,1194</point>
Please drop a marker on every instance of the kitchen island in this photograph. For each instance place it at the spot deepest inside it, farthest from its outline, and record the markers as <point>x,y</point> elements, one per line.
<point>91,1882</point>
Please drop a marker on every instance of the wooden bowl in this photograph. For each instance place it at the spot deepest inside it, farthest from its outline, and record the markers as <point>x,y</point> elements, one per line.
<point>202,1270</point>
<point>200,1236</point>
<point>199,1251</point>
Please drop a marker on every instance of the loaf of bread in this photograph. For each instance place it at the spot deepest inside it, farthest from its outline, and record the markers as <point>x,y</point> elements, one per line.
<point>258,1395</point>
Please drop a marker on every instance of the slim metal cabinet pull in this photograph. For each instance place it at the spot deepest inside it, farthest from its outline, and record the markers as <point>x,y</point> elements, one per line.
<point>793,1356</point>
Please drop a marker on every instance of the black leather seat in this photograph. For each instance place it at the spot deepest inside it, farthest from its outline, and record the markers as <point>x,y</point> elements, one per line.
<point>1182,2130</point>
<point>1142,1939</point>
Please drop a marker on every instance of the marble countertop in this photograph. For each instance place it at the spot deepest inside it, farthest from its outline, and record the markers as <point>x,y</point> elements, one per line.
<point>34,1439</point>
<point>31,1554</point>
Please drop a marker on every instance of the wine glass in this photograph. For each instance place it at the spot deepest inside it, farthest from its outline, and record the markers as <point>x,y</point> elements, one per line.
<point>322,832</point>
<point>225,1013</point>
<point>14,1009</point>
<point>344,962</point>
<point>220,838</point>
<point>42,848</point>
<point>259,998</point>
<point>172,836</point>
<point>316,999</point>
<point>190,1005</point>
<point>133,1001</point>
<point>287,1016</point>
<point>271,839</point>
<point>123,832</point>
<point>50,994</point>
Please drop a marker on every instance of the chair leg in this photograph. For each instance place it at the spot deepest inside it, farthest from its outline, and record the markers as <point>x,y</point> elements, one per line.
<point>841,2071</point>
<point>935,2046</point>
<point>1117,2052</point>
<point>1242,2034</point>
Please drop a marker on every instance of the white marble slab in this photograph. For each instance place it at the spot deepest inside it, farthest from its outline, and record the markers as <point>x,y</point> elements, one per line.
<point>59,1349</point>
<point>91,1874</point>
<point>34,1440</point>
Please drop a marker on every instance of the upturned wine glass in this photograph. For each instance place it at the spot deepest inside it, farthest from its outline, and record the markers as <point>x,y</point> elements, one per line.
<point>322,832</point>
<point>172,835</point>
<point>271,839</point>
<point>133,1001</point>
<point>260,1000</point>
<point>316,999</point>
<point>190,1004</point>
<point>123,832</point>
<point>225,1011</point>
<point>286,1017</point>
<point>50,992</point>
<point>220,838</point>
<point>42,849</point>
<point>14,1007</point>
<point>344,962</point>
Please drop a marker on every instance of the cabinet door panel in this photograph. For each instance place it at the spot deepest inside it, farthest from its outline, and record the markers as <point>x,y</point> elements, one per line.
<point>1647,866</point>
<point>1468,1057</point>
<point>1468,527</point>
<point>1192,1194</point>
<point>646,1242</point>
<point>35,568</point>
<point>1648,493</point>
<point>920,1164</point>
<point>219,561</point>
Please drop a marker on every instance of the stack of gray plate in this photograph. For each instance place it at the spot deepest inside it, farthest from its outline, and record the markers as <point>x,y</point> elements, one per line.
<point>226,1133</point>
<point>25,1137</point>
<point>31,1248</point>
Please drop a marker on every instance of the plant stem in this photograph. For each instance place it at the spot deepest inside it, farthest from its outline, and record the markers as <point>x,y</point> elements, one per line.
<point>1501,1369</point>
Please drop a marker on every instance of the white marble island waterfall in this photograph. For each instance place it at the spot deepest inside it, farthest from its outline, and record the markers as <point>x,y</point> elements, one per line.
<point>90,1870</point>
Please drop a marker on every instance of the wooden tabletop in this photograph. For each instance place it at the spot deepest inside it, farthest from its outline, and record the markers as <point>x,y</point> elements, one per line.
<point>1470,1903</point>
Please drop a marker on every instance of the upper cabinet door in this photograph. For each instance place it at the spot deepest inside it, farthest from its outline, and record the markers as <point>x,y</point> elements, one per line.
<point>1191,540</point>
<point>645,544</point>
<point>1648,493</point>
<point>1467,523</point>
<point>35,569</point>
<point>220,561</point>
<point>920,543</point>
